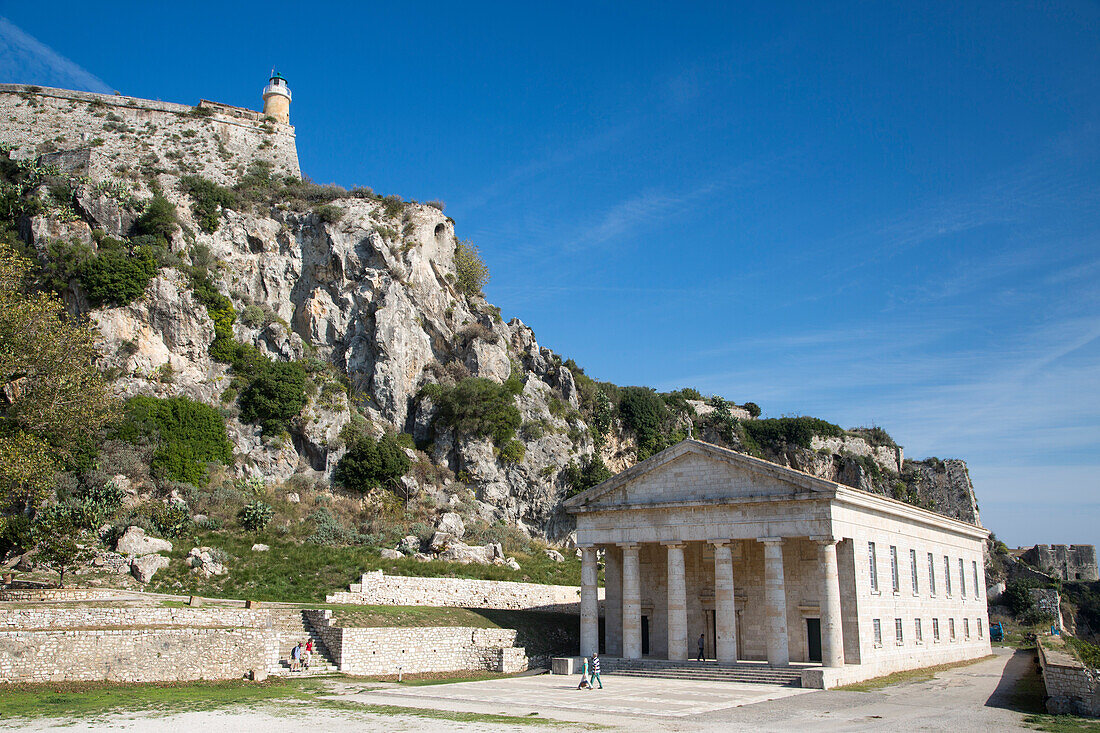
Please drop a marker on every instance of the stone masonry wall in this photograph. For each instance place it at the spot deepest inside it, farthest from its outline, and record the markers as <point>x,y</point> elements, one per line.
<point>383,651</point>
<point>127,135</point>
<point>33,619</point>
<point>377,589</point>
<point>1068,562</point>
<point>132,655</point>
<point>1072,688</point>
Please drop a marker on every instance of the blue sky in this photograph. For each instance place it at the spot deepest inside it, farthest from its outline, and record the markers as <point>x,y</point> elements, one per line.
<point>867,213</point>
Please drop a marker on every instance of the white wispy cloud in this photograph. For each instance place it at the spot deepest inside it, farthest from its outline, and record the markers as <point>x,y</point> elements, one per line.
<point>26,60</point>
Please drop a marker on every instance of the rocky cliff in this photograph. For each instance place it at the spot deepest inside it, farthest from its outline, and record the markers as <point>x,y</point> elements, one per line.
<point>365,291</point>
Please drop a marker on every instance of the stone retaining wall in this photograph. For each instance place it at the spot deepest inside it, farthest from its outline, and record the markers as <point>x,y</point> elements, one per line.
<point>133,655</point>
<point>38,595</point>
<point>377,589</point>
<point>1072,688</point>
<point>34,619</point>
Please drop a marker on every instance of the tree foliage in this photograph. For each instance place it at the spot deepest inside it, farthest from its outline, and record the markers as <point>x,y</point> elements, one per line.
<point>793,430</point>
<point>275,394</point>
<point>590,472</point>
<point>369,464</point>
<point>158,220</point>
<point>62,540</point>
<point>644,412</point>
<point>54,400</point>
<point>188,435</point>
<point>472,272</point>
<point>479,407</point>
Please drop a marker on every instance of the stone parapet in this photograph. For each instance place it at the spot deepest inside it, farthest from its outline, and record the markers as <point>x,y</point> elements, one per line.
<point>386,651</point>
<point>377,589</point>
<point>1072,688</point>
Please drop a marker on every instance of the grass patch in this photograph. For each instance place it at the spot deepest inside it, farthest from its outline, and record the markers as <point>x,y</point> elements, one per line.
<point>303,572</point>
<point>1061,723</point>
<point>86,700</point>
<point>907,676</point>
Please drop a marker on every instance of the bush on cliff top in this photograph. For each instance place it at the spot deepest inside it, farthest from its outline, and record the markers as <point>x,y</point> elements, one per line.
<point>792,430</point>
<point>478,407</point>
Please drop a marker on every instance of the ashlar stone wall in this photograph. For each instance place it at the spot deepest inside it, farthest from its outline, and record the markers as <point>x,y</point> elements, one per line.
<point>1072,688</point>
<point>378,589</point>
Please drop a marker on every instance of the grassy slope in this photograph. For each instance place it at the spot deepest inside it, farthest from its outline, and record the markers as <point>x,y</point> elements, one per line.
<point>305,573</point>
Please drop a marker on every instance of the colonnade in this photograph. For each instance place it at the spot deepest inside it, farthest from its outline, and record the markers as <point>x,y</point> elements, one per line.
<point>624,601</point>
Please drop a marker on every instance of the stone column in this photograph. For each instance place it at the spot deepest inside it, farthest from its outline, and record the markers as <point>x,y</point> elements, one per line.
<point>832,630</point>
<point>613,601</point>
<point>725,612</point>
<point>632,603</point>
<point>590,620</point>
<point>677,603</point>
<point>775,602</point>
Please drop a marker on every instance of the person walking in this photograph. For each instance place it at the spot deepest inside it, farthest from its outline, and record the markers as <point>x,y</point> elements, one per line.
<point>308,654</point>
<point>584,683</point>
<point>296,658</point>
<point>595,671</point>
<point>702,644</point>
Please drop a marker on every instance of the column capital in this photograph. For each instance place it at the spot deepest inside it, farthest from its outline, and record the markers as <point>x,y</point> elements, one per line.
<point>721,543</point>
<point>678,544</point>
<point>771,540</point>
<point>824,539</point>
<point>629,545</point>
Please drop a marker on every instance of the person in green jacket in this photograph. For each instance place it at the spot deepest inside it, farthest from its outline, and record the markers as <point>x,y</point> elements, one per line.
<point>584,683</point>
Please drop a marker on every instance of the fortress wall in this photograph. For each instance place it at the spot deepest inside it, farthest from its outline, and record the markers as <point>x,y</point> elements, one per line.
<point>129,137</point>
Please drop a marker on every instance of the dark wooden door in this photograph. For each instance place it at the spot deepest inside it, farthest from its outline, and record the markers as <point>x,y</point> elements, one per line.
<point>813,636</point>
<point>645,635</point>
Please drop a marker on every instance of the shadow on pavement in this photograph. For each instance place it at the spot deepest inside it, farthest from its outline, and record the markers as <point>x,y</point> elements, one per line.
<point>1021,687</point>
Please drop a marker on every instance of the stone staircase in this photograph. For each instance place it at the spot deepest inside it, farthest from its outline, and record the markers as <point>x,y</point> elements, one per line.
<point>704,671</point>
<point>292,627</point>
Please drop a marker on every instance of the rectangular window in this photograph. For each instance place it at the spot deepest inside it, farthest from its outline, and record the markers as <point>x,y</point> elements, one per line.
<point>935,629</point>
<point>966,629</point>
<point>947,575</point>
<point>899,635</point>
<point>917,630</point>
<point>913,567</point>
<point>931,574</point>
<point>895,584</point>
<point>977,584</point>
<point>951,629</point>
<point>962,578</point>
<point>874,566</point>
<point>979,628</point>
<point>878,632</point>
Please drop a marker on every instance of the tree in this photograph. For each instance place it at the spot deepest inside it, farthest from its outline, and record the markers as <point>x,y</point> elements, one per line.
<point>644,412</point>
<point>63,543</point>
<point>53,401</point>
<point>473,273</point>
<point>275,395</point>
<point>158,220</point>
<point>369,464</point>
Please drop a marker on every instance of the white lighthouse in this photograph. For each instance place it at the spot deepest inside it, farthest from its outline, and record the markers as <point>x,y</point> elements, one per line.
<point>277,98</point>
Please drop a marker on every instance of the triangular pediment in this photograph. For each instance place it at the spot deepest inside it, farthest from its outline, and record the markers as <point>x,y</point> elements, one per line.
<point>695,471</point>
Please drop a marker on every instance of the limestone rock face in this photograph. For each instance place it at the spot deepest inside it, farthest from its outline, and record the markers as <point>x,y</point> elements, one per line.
<point>135,542</point>
<point>451,523</point>
<point>143,568</point>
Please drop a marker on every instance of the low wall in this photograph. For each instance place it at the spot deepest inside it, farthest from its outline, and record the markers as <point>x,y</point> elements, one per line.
<point>385,651</point>
<point>36,619</point>
<point>1072,688</point>
<point>378,589</point>
<point>40,595</point>
<point>132,655</point>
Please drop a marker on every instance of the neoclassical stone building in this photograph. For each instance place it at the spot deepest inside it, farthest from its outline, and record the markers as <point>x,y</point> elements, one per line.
<point>771,564</point>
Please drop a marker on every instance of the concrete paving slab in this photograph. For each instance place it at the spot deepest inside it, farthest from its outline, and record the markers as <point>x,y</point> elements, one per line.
<point>553,695</point>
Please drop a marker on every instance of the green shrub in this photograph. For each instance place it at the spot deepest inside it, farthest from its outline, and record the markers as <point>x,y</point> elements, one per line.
<point>188,435</point>
<point>158,220</point>
<point>792,430</point>
<point>473,273</point>
<point>256,515</point>
<point>752,408</point>
<point>275,395</point>
<point>116,277</point>
<point>208,201</point>
<point>591,472</point>
<point>513,451</point>
<point>1017,596</point>
<point>644,412</point>
<point>369,464</point>
<point>100,501</point>
<point>479,407</point>
<point>328,531</point>
<point>1088,653</point>
<point>252,316</point>
<point>172,520</point>
<point>329,213</point>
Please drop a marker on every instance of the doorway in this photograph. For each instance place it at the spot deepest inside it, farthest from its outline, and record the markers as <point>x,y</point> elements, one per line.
<point>645,635</point>
<point>813,639</point>
<point>711,645</point>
